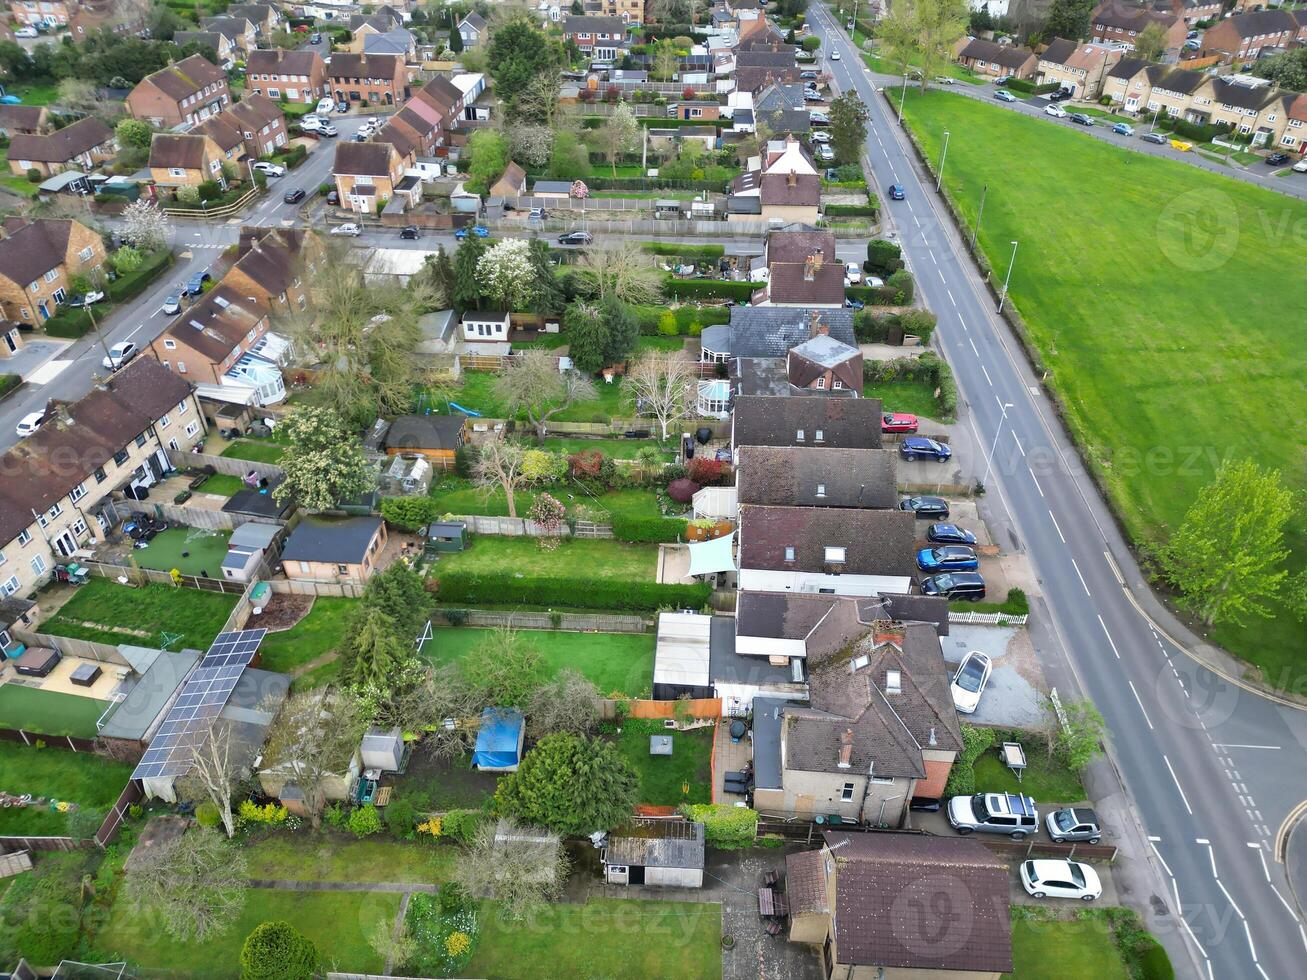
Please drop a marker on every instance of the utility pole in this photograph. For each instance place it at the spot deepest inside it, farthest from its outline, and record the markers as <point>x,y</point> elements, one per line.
<point>99,336</point>
<point>904,94</point>
<point>1011,262</point>
<point>979,214</point>
<point>939,177</point>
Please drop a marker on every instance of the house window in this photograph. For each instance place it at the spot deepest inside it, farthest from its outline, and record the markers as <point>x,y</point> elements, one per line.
<point>181,407</point>
<point>342,569</point>
<point>120,457</point>
<point>164,421</point>
<point>181,367</point>
<point>38,564</point>
<point>24,536</point>
<point>170,345</point>
<point>821,489</point>
<point>821,383</point>
<point>10,586</point>
<point>140,440</point>
<point>79,527</point>
<point>846,792</point>
<point>893,682</point>
<point>176,172</point>
<point>798,436</point>
<point>77,492</point>
<point>192,428</point>
<point>85,254</point>
<point>819,436</point>
<point>52,275</point>
<point>838,385</point>
<point>882,780</point>
<point>834,555</point>
<point>789,553</point>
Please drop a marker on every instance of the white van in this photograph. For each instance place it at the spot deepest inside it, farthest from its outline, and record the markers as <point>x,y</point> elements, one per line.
<point>326,106</point>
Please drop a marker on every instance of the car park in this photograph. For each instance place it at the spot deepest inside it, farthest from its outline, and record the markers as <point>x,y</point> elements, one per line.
<point>896,192</point>
<point>1060,879</point>
<point>576,238</point>
<point>119,354</point>
<point>1013,814</point>
<point>1003,95</point>
<point>412,233</point>
<point>1157,138</point>
<point>195,285</point>
<point>1080,119</point>
<point>172,305</point>
<point>949,534</point>
<point>969,681</point>
<point>919,447</point>
<point>349,228</point>
<point>925,506</point>
<point>955,586</point>
<point>86,299</point>
<point>1074,823</point>
<point>294,195</point>
<point>947,558</point>
<point>268,169</point>
<point>1054,110</point>
<point>898,422</point>
<point>29,423</point>
<point>1278,159</point>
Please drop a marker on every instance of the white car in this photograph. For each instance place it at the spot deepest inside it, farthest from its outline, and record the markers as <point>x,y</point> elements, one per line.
<point>1301,166</point>
<point>1060,879</point>
<point>27,32</point>
<point>29,423</point>
<point>312,119</point>
<point>970,680</point>
<point>326,105</point>
<point>875,282</point>
<point>819,136</point>
<point>834,56</point>
<point>270,169</point>
<point>1054,110</point>
<point>350,229</point>
<point>119,354</point>
<point>852,275</point>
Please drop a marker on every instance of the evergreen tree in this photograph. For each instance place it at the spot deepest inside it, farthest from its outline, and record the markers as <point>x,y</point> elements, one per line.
<point>455,38</point>
<point>466,292</point>
<point>623,330</point>
<point>587,337</point>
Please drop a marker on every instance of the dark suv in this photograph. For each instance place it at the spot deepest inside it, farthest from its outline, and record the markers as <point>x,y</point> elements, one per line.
<point>968,586</point>
<point>926,507</point>
<point>917,447</point>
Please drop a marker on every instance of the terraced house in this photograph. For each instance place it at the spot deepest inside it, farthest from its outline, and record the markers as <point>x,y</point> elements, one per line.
<point>84,145</point>
<point>188,160</point>
<point>373,78</point>
<point>116,436</point>
<point>296,76</point>
<point>1078,67</point>
<point>190,91</point>
<point>1244,37</point>
<point>38,260</point>
<point>1119,22</point>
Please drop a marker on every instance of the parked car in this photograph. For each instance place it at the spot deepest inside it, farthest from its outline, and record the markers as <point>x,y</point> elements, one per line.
<point>1301,166</point>
<point>853,304</point>
<point>537,214</point>
<point>917,447</point>
<point>195,285</point>
<point>1123,129</point>
<point>576,238</point>
<point>1278,159</point>
<point>955,586</point>
<point>896,192</point>
<point>481,231</point>
<point>825,154</point>
<point>1013,814</point>
<point>119,354</point>
<point>325,105</point>
<point>1080,119</point>
<point>342,107</point>
<point>949,534</point>
<point>26,32</point>
<point>969,681</point>
<point>1157,138</point>
<point>812,96</point>
<point>947,558</point>
<point>852,275</point>
<point>294,195</point>
<point>311,120</point>
<point>1075,823</point>
<point>172,305</point>
<point>817,117</point>
<point>809,74</point>
<point>333,198</point>
<point>1054,110</point>
<point>327,129</point>
<point>1003,95</point>
<point>269,169</point>
<point>86,299</point>
<point>1060,879</point>
<point>1192,44</point>
<point>315,38</point>
<point>349,228</point>
<point>29,423</point>
<point>819,136</point>
<point>943,80</point>
<point>412,233</point>
<point>898,422</point>
<point>925,507</point>
<point>874,282</point>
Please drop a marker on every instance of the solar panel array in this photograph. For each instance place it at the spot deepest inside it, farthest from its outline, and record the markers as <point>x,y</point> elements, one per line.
<point>203,697</point>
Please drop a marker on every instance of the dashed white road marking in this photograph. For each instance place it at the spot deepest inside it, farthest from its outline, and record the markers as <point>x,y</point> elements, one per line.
<point>1141,705</point>
<point>1111,641</point>
<point>1041,493</point>
<point>988,380</point>
<point>1080,576</point>
<point>1057,529</point>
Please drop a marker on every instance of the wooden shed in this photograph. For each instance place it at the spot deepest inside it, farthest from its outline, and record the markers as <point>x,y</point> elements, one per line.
<point>657,851</point>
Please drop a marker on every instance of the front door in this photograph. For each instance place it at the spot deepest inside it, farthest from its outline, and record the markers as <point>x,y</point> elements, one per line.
<point>43,309</point>
<point>637,874</point>
<point>65,543</point>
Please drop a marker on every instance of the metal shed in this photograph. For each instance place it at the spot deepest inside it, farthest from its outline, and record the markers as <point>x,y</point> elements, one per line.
<point>656,851</point>
<point>383,750</point>
<point>446,536</point>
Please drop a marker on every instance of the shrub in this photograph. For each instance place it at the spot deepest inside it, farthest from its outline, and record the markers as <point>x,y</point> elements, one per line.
<point>479,588</point>
<point>409,513</point>
<point>851,210</point>
<point>726,827</point>
<point>883,257</point>
<point>919,323</point>
<point>33,175</point>
<point>741,292</point>
<point>210,190</point>
<point>465,458</point>
<point>542,466</point>
<point>364,820</point>
<point>462,826</point>
<point>136,811</point>
<point>278,951</point>
<point>131,284</point>
<point>902,282</point>
<point>705,472</point>
<point>962,778</point>
<point>667,325</point>
<point>811,43</point>
<point>335,814</point>
<point>647,529</point>
<point>187,194</point>
<point>682,490</point>
<point>126,259</point>
<point>207,815</point>
<point>399,818</point>
<point>271,814</point>
<point>8,382</point>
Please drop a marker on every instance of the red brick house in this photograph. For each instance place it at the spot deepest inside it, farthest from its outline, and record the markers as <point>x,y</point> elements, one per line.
<point>1243,36</point>
<point>996,60</point>
<point>190,91</point>
<point>296,76</point>
<point>374,78</point>
<point>261,122</point>
<point>601,38</point>
<point>1120,22</point>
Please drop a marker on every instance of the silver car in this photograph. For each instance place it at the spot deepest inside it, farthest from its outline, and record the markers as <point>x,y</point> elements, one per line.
<point>1074,823</point>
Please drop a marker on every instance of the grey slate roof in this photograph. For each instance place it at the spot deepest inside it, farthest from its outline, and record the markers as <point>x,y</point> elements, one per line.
<point>769,331</point>
<point>254,534</point>
<point>425,432</point>
<point>812,477</point>
<point>847,423</point>
<point>657,843</point>
<point>875,542</point>
<point>829,623</point>
<point>1059,51</point>
<point>337,540</point>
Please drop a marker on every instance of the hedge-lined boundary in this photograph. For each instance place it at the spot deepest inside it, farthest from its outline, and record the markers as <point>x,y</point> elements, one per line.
<point>929,368</point>
<point>741,292</point>
<point>684,321</point>
<point>480,588</point>
<point>680,250</point>
<point>73,323</point>
<point>647,530</point>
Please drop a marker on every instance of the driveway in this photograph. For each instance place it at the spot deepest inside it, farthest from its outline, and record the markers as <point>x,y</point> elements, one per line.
<point>32,356</point>
<point>1014,697</point>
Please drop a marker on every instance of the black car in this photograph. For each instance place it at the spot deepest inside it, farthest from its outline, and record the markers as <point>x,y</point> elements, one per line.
<point>294,196</point>
<point>410,232</point>
<point>576,238</point>
<point>926,507</point>
<point>955,585</point>
<point>949,534</point>
<point>1080,119</point>
<point>1278,159</point>
<point>1060,95</point>
<point>333,197</point>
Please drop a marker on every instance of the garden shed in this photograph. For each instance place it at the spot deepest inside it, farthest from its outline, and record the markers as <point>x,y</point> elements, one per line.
<point>384,751</point>
<point>446,536</point>
<point>656,851</point>
<point>499,741</point>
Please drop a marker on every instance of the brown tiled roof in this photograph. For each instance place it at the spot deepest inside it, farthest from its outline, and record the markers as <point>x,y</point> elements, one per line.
<point>1131,18</point>
<point>22,116</point>
<point>805,883</point>
<point>765,57</point>
<point>846,477</point>
<point>363,159</point>
<point>232,28</point>
<point>64,452</point>
<point>441,93</point>
<point>276,61</point>
<point>28,251</point>
<point>183,151</point>
<point>222,129</point>
<point>400,135</point>
<point>365,66</point>
<point>844,423</point>
<point>186,77</point>
<point>1059,51</point>
<point>580,24</point>
<point>272,261</point>
<point>789,282</point>
<point>254,112</point>
<point>875,542</point>
<point>916,901</point>
<point>63,144</point>
<point>216,325</point>
<point>1255,23</point>
<point>513,178</point>
<point>779,190</point>
<point>996,54</point>
<point>750,78</point>
<point>796,242</point>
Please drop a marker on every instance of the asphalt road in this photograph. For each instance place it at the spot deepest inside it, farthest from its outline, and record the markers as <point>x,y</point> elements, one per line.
<point>1211,769</point>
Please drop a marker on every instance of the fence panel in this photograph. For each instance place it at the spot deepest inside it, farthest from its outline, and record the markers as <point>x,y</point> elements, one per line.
<point>986,619</point>
<point>70,646</point>
<point>45,843</point>
<point>222,464</point>
<point>286,587</point>
<point>696,708</point>
<point>567,622</point>
<point>68,742</point>
<point>113,821</point>
<point>197,582</point>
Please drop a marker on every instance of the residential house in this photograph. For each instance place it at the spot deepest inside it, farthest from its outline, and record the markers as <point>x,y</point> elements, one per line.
<point>261,123</point>
<point>341,550</point>
<point>511,183</point>
<point>756,67</point>
<point>1244,36</point>
<point>372,78</point>
<point>435,437</point>
<point>366,175</point>
<point>117,435</point>
<point>997,60</point>
<point>598,38</point>
<point>226,135</point>
<point>1120,22</point>
<point>628,11</point>
<point>1079,67</point>
<point>783,187</point>
<point>1173,92</point>
<point>800,269</point>
<point>397,42</point>
<point>655,851</point>
<point>810,477</point>
<point>269,266</point>
<point>695,109</point>
<point>823,364</point>
<point>771,331</point>
<point>779,108</point>
<point>264,16</point>
<point>832,550</point>
<point>415,131</point>
<point>188,160</point>
<point>296,76</point>
<point>472,29</point>
<point>38,260</point>
<point>84,145</point>
<point>48,12</point>
<point>1294,136</point>
<point>1129,83</point>
<point>1196,10</point>
<point>377,22</point>
<point>842,423</point>
<point>107,15</point>
<point>846,903</point>
<point>239,31</point>
<point>186,92</point>
<point>223,49</point>
<point>18,120</point>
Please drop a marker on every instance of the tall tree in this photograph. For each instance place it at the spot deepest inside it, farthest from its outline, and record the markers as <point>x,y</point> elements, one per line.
<point>503,670</point>
<point>925,30</point>
<point>848,126</point>
<point>1150,43</point>
<point>538,101</point>
<point>533,386</point>
<point>665,385</point>
<point>665,59</point>
<point>1288,70</point>
<point>312,738</point>
<point>455,38</point>
<point>217,769</point>
<point>399,593</point>
<point>619,134</point>
<point>520,867</point>
<point>623,330</point>
<point>1227,556</point>
<point>619,271</point>
<point>1068,19</point>
<point>324,461</point>
<point>507,274</point>
<point>517,53</point>
<point>375,646</point>
<point>195,883</point>
<point>549,295</point>
<point>467,290</point>
<point>587,336</point>
<point>145,226</point>
<point>499,467</point>
<point>571,784</point>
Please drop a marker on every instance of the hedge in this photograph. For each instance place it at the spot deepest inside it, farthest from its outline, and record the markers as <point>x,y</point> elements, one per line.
<point>724,826</point>
<point>929,368</point>
<point>8,382</point>
<point>875,328</point>
<point>1030,88</point>
<point>480,588</point>
<point>851,210</point>
<point>639,530</point>
<point>883,257</point>
<point>133,283</point>
<point>741,292</point>
<point>962,777</point>
<point>684,321</point>
<point>1199,132</point>
<point>692,253</point>
<point>69,324</point>
<point>874,295</point>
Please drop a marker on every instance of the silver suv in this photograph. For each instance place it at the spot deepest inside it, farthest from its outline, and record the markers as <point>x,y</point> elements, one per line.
<point>1075,823</point>
<point>994,813</point>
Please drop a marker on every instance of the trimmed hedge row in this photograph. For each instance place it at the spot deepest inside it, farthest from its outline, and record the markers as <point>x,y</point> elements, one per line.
<point>851,210</point>
<point>684,321</point>
<point>647,530</point>
<point>478,588</point>
<point>1030,88</point>
<point>929,368</point>
<point>1199,132</point>
<point>133,283</point>
<point>8,382</point>
<point>693,253</point>
<point>741,292</point>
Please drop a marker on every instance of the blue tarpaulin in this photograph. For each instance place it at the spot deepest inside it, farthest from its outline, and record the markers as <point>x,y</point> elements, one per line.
<point>499,742</point>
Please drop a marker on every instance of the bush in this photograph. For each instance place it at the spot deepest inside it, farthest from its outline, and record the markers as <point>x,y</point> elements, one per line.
<point>682,490</point>
<point>851,210</point>
<point>684,321</point>
<point>207,815</point>
<point>543,467</point>
<point>1198,132</point>
<point>128,286</point>
<point>271,814</point>
<point>126,259</point>
<point>482,588</point>
<point>688,253</point>
<point>399,818</point>
<point>883,257</point>
<point>33,175</point>
<point>210,190</point>
<point>462,826</point>
<point>902,282</point>
<point>741,292</point>
<point>363,821</point>
<point>70,324</point>
<point>409,513</point>
<point>8,382</point>
<point>811,43</point>
<point>465,458</point>
<point>647,529</point>
<point>962,778</point>
<point>725,827</point>
<point>278,951</point>
<point>919,323</point>
<point>705,472</point>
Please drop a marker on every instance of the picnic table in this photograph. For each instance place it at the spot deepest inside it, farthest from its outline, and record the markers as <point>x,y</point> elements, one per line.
<point>772,904</point>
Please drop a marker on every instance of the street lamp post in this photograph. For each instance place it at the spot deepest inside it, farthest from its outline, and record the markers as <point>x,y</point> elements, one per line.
<point>1011,262</point>
<point>939,177</point>
<point>904,94</point>
<point>979,214</point>
<point>993,447</point>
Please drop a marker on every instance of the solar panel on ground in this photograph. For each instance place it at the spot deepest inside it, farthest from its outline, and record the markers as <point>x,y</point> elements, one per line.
<point>206,693</point>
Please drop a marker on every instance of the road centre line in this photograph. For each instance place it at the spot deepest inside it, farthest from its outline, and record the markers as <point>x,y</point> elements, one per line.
<point>1020,449</point>
<point>1232,745</point>
<point>1111,641</point>
<point>1041,493</point>
<point>1056,527</point>
<point>1141,705</point>
<point>988,380</point>
<point>1077,568</point>
<point>1175,779</point>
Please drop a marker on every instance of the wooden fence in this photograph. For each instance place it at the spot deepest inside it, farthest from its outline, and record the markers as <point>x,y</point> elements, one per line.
<point>69,742</point>
<point>225,211</point>
<point>132,793</point>
<point>69,646</point>
<point>44,843</point>
<point>691,707</point>
<point>562,621</point>
<point>228,465</point>
<point>286,587</point>
<point>197,582</point>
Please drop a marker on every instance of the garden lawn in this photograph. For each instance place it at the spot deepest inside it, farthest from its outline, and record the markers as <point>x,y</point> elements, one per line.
<point>126,615</point>
<point>315,634</point>
<point>913,397</point>
<point>1160,321</point>
<point>1055,949</point>
<point>1047,781</point>
<point>685,776</point>
<point>49,712</point>
<point>204,551</point>
<point>612,448</point>
<point>222,485</point>
<point>305,856</point>
<point>76,777</point>
<point>337,923</point>
<point>618,663</point>
<point>603,938</point>
<point>456,496</point>
<point>258,452</point>
<point>477,393</point>
<point>602,558</point>
<point>34,93</point>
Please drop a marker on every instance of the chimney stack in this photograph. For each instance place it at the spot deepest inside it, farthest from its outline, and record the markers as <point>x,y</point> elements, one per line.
<point>792,179</point>
<point>809,269</point>
<point>846,748</point>
<point>816,328</point>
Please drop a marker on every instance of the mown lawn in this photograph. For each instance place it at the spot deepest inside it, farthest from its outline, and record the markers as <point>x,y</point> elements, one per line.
<point>1055,949</point>
<point>685,776</point>
<point>612,448</point>
<point>457,496</point>
<point>186,549</point>
<point>222,485</point>
<point>122,614</point>
<point>524,556</point>
<point>617,663</point>
<point>306,856</point>
<point>913,397</point>
<point>258,452</point>
<point>90,781</point>
<point>315,634</point>
<point>49,712</point>
<point>477,393</point>
<point>1045,780</point>
<point>603,938</point>
<point>1161,320</point>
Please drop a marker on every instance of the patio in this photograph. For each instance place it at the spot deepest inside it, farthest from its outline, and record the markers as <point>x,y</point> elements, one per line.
<point>728,756</point>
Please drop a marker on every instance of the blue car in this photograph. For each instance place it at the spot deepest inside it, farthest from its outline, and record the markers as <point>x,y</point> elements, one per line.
<point>195,285</point>
<point>481,231</point>
<point>949,534</point>
<point>947,558</point>
<point>896,192</point>
<point>918,447</point>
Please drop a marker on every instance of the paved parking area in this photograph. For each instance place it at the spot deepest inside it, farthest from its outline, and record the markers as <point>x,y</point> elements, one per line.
<point>1014,697</point>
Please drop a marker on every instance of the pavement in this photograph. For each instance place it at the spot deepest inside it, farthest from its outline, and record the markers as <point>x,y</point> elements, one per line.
<point>1202,768</point>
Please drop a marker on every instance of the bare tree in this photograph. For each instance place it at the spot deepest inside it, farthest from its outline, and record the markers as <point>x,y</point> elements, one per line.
<point>619,133</point>
<point>533,385</point>
<point>621,271</point>
<point>395,946</point>
<point>217,768</point>
<point>663,385</point>
<point>313,738</point>
<point>195,883</point>
<point>499,466</point>
<point>519,866</point>
<point>539,100</point>
<point>568,702</point>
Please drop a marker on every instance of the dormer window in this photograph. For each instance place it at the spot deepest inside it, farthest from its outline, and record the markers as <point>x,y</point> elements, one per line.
<point>834,556</point>
<point>789,553</point>
<point>798,435</point>
<point>821,489</point>
<point>819,436</point>
<point>893,682</point>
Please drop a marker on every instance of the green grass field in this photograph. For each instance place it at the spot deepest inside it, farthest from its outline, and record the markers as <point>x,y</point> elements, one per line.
<point>913,397</point>
<point>1055,949</point>
<point>1047,781</point>
<point>258,452</point>
<point>315,634</point>
<point>604,938</point>
<point>685,776</point>
<point>222,485</point>
<point>620,663</point>
<point>118,610</point>
<point>477,393</point>
<point>203,553</point>
<point>305,856</point>
<point>56,774</point>
<point>612,448</point>
<point>457,496</point>
<point>49,712</point>
<point>595,558</point>
<point>1161,298</point>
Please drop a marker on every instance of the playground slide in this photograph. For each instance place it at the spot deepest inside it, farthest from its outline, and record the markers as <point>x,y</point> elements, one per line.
<point>466,411</point>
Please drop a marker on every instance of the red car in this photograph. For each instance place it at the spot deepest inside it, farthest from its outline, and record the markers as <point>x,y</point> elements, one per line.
<point>898,422</point>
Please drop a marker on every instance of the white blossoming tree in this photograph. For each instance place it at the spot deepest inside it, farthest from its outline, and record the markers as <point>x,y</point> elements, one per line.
<point>508,277</point>
<point>145,226</point>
